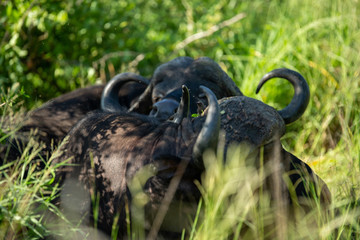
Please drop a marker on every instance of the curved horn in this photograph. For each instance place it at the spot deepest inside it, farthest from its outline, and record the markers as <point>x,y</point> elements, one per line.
<point>299,102</point>
<point>110,98</point>
<point>209,134</point>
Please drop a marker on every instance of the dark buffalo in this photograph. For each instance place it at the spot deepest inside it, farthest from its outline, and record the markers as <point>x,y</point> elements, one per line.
<point>109,149</point>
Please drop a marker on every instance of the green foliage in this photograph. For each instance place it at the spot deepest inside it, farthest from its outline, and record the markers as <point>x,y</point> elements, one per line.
<point>51,47</point>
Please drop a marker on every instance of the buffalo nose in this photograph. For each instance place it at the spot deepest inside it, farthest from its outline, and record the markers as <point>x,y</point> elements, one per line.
<point>164,109</point>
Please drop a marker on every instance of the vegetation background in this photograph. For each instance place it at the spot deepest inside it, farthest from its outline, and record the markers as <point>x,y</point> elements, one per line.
<point>48,48</point>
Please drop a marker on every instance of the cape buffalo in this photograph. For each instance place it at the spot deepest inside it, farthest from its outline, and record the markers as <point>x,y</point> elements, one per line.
<point>109,149</point>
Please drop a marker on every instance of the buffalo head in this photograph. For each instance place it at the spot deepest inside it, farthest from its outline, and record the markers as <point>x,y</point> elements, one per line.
<point>289,114</point>
<point>162,96</point>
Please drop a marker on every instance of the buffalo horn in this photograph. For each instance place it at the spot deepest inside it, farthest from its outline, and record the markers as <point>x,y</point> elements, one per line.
<point>184,107</point>
<point>299,102</point>
<point>110,98</point>
<point>209,134</point>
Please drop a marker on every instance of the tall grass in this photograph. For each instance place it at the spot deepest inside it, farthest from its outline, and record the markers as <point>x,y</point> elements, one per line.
<point>27,188</point>
<point>321,40</point>
<point>24,191</point>
<point>236,204</point>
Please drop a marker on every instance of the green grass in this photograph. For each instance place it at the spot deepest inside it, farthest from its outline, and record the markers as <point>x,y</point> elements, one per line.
<point>25,192</point>
<point>319,39</point>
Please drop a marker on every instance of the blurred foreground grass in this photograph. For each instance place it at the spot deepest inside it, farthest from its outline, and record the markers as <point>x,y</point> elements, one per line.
<point>54,47</point>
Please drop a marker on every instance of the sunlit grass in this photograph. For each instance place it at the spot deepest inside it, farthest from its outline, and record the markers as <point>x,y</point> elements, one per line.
<point>322,45</point>
<point>25,192</point>
<point>235,204</point>
<point>27,187</point>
